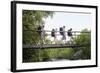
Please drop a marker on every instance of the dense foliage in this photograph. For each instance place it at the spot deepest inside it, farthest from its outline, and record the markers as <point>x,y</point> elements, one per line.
<point>84,39</point>
<point>31,20</point>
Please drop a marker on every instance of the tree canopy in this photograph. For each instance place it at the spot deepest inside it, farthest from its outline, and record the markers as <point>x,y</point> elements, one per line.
<point>85,40</point>
<point>31,20</point>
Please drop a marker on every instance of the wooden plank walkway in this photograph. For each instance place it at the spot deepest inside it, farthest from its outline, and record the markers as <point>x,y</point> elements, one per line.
<point>51,46</point>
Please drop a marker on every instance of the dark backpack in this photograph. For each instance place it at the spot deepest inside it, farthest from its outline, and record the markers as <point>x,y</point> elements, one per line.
<point>39,29</point>
<point>69,33</point>
<point>53,33</point>
<point>61,30</point>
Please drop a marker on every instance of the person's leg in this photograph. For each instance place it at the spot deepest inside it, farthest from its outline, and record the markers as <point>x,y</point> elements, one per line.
<point>54,40</point>
<point>72,39</point>
<point>42,38</point>
<point>64,39</point>
<point>70,42</point>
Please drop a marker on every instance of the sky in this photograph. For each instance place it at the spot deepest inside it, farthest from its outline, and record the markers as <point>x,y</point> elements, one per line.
<point>76,21</point>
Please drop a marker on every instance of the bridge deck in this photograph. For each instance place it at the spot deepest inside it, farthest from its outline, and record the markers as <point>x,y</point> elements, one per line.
<point>51,46</point>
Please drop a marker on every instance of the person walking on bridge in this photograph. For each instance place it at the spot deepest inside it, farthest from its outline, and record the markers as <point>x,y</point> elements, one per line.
<point>53,34</point>
<point>63,33</point>
<point>41,33</point>
<point>70,35</point>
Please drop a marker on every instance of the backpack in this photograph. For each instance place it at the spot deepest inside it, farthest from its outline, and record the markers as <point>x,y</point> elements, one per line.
<point>69,33</point>
<point>53,33</point>
<point>61,30</point>
<point>39,29</point>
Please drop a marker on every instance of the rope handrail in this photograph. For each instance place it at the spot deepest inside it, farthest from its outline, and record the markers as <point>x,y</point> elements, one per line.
<point>65,34</point>
<point>57,31</point>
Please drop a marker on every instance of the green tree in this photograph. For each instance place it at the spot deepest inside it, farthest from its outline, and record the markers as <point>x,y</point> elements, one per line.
<point>83,39</point>
<point>31,20</point>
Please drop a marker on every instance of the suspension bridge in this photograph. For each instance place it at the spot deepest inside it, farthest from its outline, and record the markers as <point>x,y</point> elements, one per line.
<point>43,46</point>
